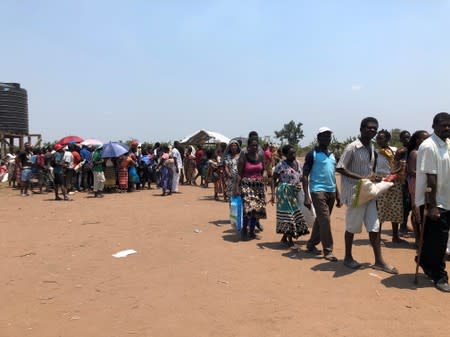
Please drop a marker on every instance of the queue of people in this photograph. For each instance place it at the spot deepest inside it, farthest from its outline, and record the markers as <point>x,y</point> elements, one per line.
<point>419,170</point>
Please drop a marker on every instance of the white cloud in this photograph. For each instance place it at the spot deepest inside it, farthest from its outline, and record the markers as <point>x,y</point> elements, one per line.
<point>356,87</point>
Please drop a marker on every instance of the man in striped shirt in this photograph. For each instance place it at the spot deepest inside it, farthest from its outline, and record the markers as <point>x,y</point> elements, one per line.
<point>358,161</point>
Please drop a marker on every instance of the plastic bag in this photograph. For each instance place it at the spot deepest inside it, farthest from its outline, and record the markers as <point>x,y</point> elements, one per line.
<point>308,214</point>
<point>132,175</point>
<point>366,190</point>
<point>236,212</point>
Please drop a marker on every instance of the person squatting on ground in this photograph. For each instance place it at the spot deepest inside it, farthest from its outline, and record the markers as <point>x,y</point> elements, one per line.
<point>287,179</point>
<point>319,180</point>
<point>433,194</point>
<point>358,162</point>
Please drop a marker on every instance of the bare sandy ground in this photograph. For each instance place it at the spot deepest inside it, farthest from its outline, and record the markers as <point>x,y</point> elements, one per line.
<point>191,276</point>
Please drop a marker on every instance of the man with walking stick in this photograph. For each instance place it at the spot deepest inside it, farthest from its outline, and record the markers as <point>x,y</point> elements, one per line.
<point>433,193</point>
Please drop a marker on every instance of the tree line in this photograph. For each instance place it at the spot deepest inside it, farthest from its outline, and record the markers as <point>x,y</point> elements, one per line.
<point>292,133</point>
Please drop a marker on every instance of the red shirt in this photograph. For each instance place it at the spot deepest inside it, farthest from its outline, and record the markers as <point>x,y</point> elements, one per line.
<point>198,156</point>
<point>76,158</point>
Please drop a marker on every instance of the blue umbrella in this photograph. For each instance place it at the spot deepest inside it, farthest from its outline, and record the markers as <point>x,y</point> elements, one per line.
<point>114,150</point>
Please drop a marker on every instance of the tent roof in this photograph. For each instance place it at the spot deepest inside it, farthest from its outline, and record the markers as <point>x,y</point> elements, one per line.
<point>205,137</point>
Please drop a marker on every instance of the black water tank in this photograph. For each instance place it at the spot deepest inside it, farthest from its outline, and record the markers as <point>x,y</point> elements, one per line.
<point>13,109</point>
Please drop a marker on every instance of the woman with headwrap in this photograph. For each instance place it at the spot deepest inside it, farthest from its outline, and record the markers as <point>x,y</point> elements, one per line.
<point>189,164</point>
<point>390,204</point>
<point>287,178</point>
<point>231,157</point>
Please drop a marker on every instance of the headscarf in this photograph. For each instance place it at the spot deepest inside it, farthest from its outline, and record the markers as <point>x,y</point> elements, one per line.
<point>227,151</point>
<point>389,154</point>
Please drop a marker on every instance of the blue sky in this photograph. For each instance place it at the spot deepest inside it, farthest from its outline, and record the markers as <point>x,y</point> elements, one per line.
<point>160,70</point>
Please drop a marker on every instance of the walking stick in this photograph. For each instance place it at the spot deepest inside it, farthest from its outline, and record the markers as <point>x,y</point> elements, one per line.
<point>421,228</point>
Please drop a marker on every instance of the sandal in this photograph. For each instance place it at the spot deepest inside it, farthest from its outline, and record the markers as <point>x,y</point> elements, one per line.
<point>330,257</point>
<point>353,264</point>
<point>313,250</point>
<point>386,268</point>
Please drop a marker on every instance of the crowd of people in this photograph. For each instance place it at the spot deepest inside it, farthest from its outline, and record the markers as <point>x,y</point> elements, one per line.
<point>420,169</point>
<point>419,173</point>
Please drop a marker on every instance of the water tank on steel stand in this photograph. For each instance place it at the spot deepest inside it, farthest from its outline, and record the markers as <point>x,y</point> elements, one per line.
<point>13,109</point>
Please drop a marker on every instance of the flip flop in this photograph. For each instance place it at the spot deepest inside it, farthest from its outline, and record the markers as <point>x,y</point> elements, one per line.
<point>386,268</point>
<point>352,264</point>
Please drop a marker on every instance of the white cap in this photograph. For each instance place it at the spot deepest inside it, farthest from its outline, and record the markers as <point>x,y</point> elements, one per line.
<point>324,129</point>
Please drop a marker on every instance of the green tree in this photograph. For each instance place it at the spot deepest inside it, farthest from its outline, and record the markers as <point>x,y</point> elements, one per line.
<point>291,132</point>
<point>395,138</point>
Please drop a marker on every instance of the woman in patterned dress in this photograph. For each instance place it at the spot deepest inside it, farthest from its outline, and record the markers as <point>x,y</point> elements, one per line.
<point>390,204</point>
<point>189,164</point>
<point>287,180</point>
<point>250,185</point>
<point>165,165</point>
<point>124,162</point>
<point>231,157</point>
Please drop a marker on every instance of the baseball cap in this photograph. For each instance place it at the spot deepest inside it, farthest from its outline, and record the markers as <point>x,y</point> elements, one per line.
<point>324,129</point>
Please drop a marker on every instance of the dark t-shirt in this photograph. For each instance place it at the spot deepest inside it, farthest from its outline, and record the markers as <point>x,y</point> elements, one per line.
<point>58,163</point>
<point>25,159</point>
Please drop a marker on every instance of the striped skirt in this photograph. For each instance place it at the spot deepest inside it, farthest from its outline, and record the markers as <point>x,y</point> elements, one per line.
<point>290,219</point>
<point>123,177</point>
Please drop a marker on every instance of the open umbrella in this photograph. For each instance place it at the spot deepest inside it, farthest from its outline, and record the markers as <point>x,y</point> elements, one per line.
<point>70,139</point>
<point>113,150</point>
<point>92,142</point>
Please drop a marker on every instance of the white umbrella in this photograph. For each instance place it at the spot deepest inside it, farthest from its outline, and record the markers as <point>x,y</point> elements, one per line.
<point>92,142</point>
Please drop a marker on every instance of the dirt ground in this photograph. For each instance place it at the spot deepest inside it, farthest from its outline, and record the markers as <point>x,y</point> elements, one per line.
<point>191,276</point>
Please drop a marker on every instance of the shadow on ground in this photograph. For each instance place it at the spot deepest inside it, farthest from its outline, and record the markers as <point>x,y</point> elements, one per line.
<point>273,245</point>
<point>406,281</point>
<point>338,268</point>
<point>230,235</point>
<point>220,222</point>
<point>207,198</point>
<point>402,245</point>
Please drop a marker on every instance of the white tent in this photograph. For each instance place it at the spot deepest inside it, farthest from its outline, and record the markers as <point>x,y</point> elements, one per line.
<point>205,137</point>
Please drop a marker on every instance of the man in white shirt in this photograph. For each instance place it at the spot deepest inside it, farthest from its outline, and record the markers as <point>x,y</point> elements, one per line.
<point>358,162</point>
<point>433,193</point>
<point>68,159</point>
<point>176,168</point>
